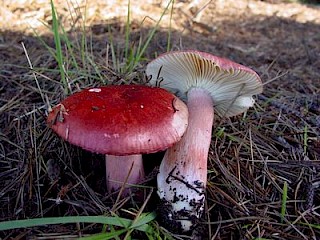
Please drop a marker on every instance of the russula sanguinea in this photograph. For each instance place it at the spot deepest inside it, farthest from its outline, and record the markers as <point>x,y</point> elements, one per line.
<point>208,84</point>
<point>122,122</point>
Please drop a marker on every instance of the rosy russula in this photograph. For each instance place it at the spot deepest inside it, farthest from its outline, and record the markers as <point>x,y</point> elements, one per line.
<point>208,84</point>
<point>122,122</point>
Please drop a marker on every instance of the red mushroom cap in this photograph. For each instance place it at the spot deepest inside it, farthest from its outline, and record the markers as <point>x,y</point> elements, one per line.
<point>120,120</point>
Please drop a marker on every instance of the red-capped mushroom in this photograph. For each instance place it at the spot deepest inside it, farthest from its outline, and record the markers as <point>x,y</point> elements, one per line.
<point>122,122</point>
<point>207,83</point>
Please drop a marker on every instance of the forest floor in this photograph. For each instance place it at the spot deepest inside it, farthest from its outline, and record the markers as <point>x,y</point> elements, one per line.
<point>253,157</point>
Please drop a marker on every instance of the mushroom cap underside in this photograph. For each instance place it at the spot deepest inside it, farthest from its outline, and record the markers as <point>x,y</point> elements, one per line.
<point>231,85</point>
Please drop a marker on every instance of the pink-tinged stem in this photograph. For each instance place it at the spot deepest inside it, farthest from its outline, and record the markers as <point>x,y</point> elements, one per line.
<point>118,168</point>
<point>183,171</point>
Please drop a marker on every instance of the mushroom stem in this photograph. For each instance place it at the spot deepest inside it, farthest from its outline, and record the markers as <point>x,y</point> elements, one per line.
<point>183,172</point>
<point>118,168</point>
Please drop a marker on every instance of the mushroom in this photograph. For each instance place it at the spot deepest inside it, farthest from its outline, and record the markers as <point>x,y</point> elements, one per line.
<point>121,122</point>
<point>207,83</point>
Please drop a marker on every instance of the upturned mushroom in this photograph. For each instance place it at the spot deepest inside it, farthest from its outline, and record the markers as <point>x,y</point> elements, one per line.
<point>121,122</point>
<point>208,84</point>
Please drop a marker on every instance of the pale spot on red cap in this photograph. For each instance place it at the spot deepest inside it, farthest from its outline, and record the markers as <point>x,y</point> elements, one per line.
<point>95,90</point>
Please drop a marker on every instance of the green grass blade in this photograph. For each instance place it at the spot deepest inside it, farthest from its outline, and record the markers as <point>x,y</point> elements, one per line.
<point>149,38</point>
<point>153,31</point>
<point>57,41</point>
<point>170,27</point>
<point>114,59</point>
<point>51,50</point>
<point>96,69</point>
<point>127,33</point>
<point>83,48</point>
<point>70,48</point>
<point>284,201</point>
<point>144,219</point>
<point>115,221</point>
<point>315,226</point>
